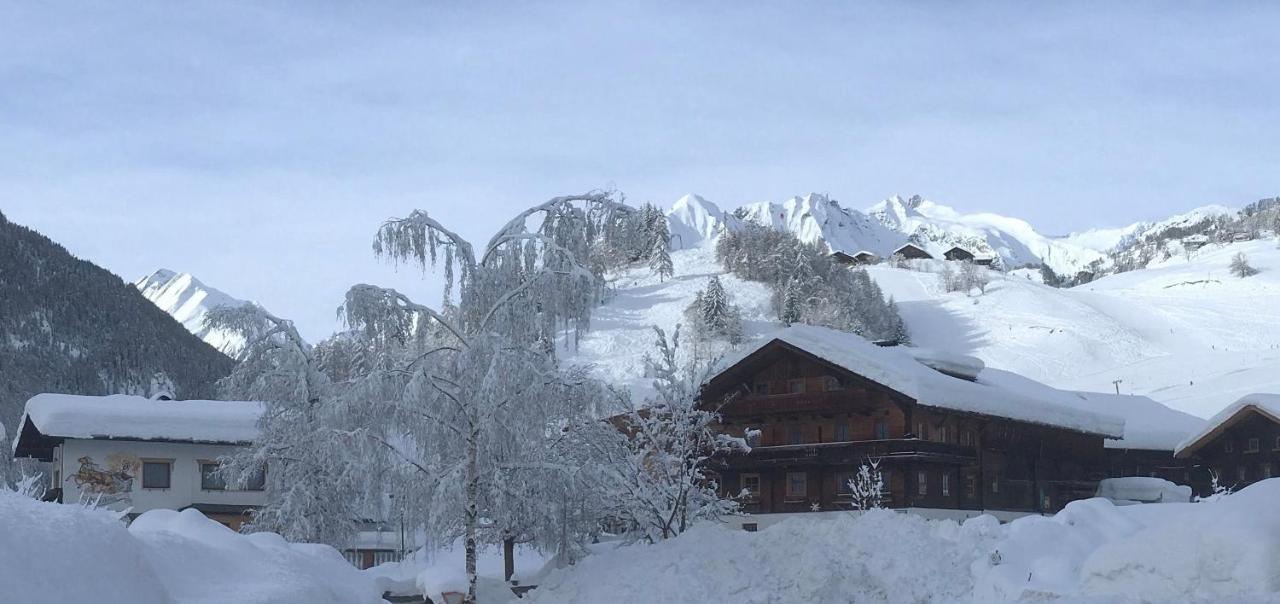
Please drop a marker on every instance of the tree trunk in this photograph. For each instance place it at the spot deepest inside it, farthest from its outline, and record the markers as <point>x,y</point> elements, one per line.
<point>508,558</point>
<point>472,493</point>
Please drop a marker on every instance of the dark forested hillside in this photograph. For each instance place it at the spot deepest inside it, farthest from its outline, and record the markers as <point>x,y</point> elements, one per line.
<point>67,325</point>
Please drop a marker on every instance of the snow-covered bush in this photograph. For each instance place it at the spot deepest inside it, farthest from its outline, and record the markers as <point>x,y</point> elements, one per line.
<point>866,488</point>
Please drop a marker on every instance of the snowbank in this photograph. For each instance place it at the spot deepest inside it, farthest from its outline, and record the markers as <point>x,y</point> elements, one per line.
<point>1143,489</point>
<point>1092,551</point>
<point>65,553</point>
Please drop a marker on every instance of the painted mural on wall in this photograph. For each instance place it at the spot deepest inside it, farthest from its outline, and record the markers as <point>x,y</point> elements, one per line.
<point>110,484</point>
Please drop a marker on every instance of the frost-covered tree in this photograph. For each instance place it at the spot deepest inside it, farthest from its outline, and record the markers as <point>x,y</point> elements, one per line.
<point>654,461</point>
<point>866,488</point>
<point>1240,266</point>
<point>317,463</point>
<point>660,253</point>
<point>822,291</point>
<point>969,277</point>
<point>713,314</point>
<point>480,412</point>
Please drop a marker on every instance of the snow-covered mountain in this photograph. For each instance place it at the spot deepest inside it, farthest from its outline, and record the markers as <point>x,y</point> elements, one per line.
<point>188,299</point>
<point>1112,239</point>
<point>1182,330</point>
<point>887,225</point>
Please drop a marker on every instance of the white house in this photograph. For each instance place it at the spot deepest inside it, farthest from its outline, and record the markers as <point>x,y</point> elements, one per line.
<point>137,454</point>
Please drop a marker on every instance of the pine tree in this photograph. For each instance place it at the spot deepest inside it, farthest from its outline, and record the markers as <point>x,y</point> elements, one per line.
<point>659,254</point>
<point>792,301</point>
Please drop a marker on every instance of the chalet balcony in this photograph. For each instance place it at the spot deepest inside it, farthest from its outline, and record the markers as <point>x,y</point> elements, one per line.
<point>816,402</point>
<point>851,453</point>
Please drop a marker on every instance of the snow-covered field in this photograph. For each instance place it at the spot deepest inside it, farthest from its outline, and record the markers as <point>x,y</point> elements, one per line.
<point>67,553</point>
<point>1222,551</point>
<point>1184,331</point>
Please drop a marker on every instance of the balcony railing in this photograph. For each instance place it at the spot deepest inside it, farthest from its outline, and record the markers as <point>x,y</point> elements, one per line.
<point>850,453</point>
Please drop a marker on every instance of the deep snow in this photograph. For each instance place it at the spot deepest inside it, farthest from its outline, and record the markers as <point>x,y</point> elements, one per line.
<point>1092,551</point>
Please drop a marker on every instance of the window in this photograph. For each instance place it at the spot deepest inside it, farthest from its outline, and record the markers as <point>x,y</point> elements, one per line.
<point>258,481</point>
<point>1251,446</point>
<point>797,485</point>
<point>922,431</point>
<point>842,483</point>
<point>942,434</point>
<point>1277,447</point>
<point>795,386</point>
<point>795,435</point>
<point>751,484</point>
<point>995,484</point>
<point>1229,446</point>
<point>946,484</point>
<point>842,433</point>
<point>1242,473</point>
<point>762,388</point>
<point>882,429</point>
<point>210,480</point>
<point>830,384</point>
<point>155,474</point>
<point>971,486</point>
<point>922,482</point>
<point>966,438</point>
<point>1266,470</point>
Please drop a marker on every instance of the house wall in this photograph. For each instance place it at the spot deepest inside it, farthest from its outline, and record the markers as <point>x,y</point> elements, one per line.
<point>111,470</point>
<point>1238,467</point>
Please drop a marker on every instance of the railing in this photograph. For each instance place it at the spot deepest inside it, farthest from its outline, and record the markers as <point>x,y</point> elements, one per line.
<point>789,403</point>
<point>853,452</point>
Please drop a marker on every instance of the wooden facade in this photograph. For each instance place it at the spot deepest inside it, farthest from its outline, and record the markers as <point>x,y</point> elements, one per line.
<point>818,422</point>
<point>958,253</point>
<point>1240,450</point>
<point>912,251</point>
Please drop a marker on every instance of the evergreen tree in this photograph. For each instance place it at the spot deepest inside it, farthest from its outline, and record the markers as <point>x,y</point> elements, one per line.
<point>659,253</point>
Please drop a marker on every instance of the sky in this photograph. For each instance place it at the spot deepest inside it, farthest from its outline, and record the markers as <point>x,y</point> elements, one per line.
<point>259,145</point>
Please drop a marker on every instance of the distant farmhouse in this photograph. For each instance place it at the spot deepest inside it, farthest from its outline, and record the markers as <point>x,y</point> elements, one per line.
<point>954,439</point>
<point>1239,446</point>
<point>861,258</point>
<point>138,454</point>
<point>913,252</point>
<point>958,253</point>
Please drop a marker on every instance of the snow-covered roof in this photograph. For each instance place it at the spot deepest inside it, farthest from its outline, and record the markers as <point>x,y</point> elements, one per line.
<point>1266,404</point>
<point>121,416</point>
<point>898,369</point>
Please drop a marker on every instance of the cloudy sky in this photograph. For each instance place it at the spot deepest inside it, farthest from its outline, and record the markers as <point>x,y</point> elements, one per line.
<point>258,145</point>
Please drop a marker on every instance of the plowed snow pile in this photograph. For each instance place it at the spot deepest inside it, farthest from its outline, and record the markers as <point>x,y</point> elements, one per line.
<point>1226,550</point>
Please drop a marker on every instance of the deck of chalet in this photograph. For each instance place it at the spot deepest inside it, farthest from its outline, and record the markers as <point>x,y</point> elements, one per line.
<point>825,402</point>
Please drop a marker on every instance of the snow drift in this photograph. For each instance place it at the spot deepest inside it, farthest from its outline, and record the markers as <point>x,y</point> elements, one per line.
<point>1092,551</point>
<point>65,553</point>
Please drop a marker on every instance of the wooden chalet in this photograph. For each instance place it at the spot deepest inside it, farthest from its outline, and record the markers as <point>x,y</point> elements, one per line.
<point>861,258</point>
<point>958,254</point>
<point>947,438</point>
<point>984,260</point>
<point>912,251</point>
<point>1240,445</point>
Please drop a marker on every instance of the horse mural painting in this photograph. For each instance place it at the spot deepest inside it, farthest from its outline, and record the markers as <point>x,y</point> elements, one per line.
<point>106,486</point>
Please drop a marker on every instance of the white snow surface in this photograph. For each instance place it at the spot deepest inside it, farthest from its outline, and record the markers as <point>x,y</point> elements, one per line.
<point>140,418</point>
<point>1266,403</point>
<point>52,552</point>
<point>188,300</point>
<point>897,368</point>
<point>1093,551</point>
<point>1143,489</point>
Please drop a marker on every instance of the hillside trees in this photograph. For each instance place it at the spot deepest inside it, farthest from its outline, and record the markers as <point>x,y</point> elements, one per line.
<point>713,314</point>
<point>808,287</point>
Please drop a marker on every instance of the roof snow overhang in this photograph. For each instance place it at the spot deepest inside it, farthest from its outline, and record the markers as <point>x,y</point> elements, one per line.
<point>1193,444</point>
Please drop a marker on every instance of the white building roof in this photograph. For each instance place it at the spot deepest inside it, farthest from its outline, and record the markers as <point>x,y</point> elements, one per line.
<point>1266,404</point>
<point>990,393</point>
<point>128,417</point>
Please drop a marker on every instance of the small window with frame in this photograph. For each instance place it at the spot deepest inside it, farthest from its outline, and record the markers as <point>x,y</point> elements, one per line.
<point>841,433</point>
<point>157,474</point>
<point>210,478</point>
<point>922,431</point>
<point>795,435</point>
<point>795,386</point>
<point>843,480</point>
<point>1229,446</point>
<point>882,429</point>
<point>831,383</point>
<point>922,483</point>
<point>751,486</point>
<point>946,484</point>
<point>1277,447</point>
<point>971,486</point>
<point>1242,473</point>
<point>1251,446</point>
<point>797,485</point>
<point>761,388</point>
